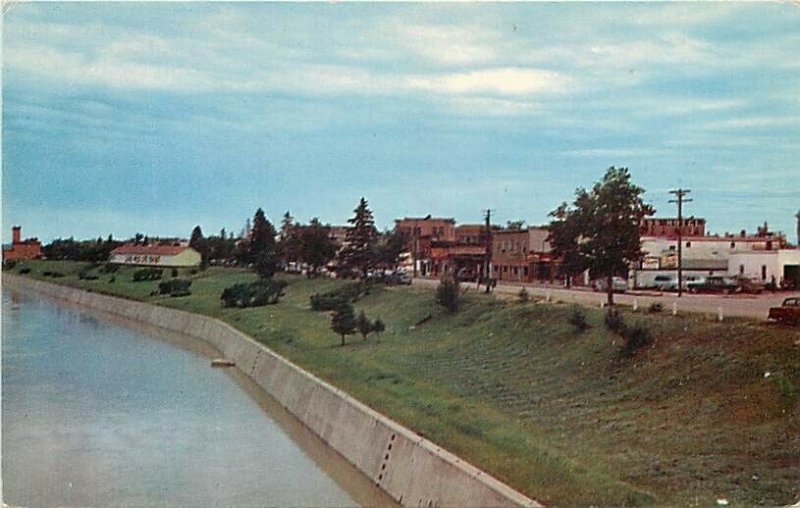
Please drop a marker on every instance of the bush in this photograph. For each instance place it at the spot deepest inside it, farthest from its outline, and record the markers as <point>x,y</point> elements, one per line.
<point>174,273</point>
<point>88,276</point>
<point>447,293</point>
<point>363,325</point>
<point>578,319</point>
<point>636,337</point>
<point>522,296</point>
<point>9,264</point>
<point>175,287</point>
<point>24,270</point>
<point>254,294</point>
<point>614,321</point>
<point>378,326</point>
<point>147,274</point>
<point>349,293</point>
<point>655,307</point>
<point>109,268</point>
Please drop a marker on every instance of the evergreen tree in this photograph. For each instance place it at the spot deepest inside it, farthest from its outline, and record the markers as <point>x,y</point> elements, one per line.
<point>262,249</point>
<point>363,325</point>
<point>361,238</point>
<point>198,243</point>
<point>378,326</point>
<point>343,321</point>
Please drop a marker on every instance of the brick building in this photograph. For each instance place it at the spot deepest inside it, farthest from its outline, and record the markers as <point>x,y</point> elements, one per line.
<point>522,255</point>
<point>29,248</point>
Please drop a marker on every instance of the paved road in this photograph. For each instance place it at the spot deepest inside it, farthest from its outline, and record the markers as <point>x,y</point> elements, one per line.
<point>751,306</point>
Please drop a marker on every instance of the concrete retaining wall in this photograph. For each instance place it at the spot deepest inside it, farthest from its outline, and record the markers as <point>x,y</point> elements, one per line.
<point>412,470</point>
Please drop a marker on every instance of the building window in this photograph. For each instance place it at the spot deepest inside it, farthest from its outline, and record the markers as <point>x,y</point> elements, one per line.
<point>505,268</point>
<point>688,244</point>
<point>741,269</point>
<point>763,272</point>
<point>733,245</point>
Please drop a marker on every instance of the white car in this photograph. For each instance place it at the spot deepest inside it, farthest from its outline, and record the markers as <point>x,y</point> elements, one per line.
<point>666,282</point>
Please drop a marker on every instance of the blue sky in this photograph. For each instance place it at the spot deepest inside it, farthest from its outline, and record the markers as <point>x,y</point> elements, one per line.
<point>152,118</point>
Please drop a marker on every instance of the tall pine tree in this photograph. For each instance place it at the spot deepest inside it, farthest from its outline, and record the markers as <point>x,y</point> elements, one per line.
<point>361,238</point>
<point>262,252</point>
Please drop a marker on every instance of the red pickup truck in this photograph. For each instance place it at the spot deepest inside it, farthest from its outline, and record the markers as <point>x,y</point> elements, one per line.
<point>789,312</point>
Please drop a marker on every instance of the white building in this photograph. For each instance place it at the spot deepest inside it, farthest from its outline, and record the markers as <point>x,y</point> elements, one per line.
<point>155,255</point>
<point>782,265</point>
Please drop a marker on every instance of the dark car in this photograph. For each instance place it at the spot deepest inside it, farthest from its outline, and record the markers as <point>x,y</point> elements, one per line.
<point>715,284</point>
<point>398,278</point>
<point>789,312</point>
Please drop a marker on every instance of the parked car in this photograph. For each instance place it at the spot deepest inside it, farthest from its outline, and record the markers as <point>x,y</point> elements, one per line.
<point>618,285</point>
<point>691,279</point>
<point>666,282</point>
<point>788,312</point>
<point>398,278</point>
<point>748,285</point>
<point>715,284</point>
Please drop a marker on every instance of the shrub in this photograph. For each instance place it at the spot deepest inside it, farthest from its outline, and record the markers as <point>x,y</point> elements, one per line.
<point>88,276</point>
<point>109,268</point>
<point>636,337</point>
<point>614,321</point>
<point>175,287</point>
<point>447,293</point>
<point>378,326</point>
<point>350,293</point>
<point>254,294</point>
<point>174,273</point>
<point>112,280</point>
<point>522,296</point>
<point>24,270</point>
<point>9,264</point>
<point>578,319</point>
<point>655,307</point>
<point>147,274</point>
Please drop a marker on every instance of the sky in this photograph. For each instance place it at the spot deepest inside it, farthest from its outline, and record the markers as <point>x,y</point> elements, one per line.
<point>120,118</point>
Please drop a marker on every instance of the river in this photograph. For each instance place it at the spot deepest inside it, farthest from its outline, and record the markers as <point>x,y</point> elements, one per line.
<point>98,413</point>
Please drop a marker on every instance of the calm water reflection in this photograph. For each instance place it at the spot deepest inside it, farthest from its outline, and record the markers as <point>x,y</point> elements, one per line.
<point>99,414</point>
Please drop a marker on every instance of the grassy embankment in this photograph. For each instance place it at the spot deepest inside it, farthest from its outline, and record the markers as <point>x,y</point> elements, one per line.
<point>555,413</point>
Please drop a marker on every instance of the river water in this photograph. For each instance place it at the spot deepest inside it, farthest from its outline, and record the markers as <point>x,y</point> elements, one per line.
<point>96,413</point>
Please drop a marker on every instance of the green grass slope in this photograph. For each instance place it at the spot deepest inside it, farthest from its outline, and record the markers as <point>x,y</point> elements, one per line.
<point>709,410</point>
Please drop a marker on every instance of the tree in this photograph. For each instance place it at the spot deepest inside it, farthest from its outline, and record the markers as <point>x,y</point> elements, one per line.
<point>447,293</point>
<point>363,325</point>
<point>316,247</point>
<point>359,252</point>
<point>378,326</point>
<point>565,231</point>
<point>390,248</point>
<point>198,243</point>
<point>343,321</point>
<point>516,225</point>
<point>289,245</point>
<point>263,252</point>
<point>608,220</point>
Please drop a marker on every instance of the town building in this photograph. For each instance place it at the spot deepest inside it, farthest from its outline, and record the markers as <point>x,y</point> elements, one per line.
<point>781,266</point>
<point>523,255</point>
<point>169,256</point>
<point>701,255</point>
<point>29,248</point>
<point>420,234</point>
<point>668,227</point>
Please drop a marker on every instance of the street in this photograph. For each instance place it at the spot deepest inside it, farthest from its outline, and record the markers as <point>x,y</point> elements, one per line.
<point>738,305</point>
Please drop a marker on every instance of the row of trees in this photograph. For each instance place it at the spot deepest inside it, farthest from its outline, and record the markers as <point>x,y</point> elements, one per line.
<point>266,249</point>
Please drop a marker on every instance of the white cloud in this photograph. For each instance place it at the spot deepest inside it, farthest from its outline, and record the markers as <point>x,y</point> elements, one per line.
<point>502,81</point>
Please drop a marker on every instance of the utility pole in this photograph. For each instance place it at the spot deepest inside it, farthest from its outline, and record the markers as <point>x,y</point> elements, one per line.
<point>798,227</point>
<point>487,266</point>
<point>680,193</point>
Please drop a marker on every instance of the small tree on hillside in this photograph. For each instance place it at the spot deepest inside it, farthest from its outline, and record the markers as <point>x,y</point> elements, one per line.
<point>447,293</point>
<point>565,232</point>
<point>378,326</point>
<point>343,321</point>
<point>363,325</point>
